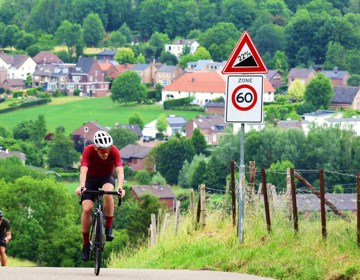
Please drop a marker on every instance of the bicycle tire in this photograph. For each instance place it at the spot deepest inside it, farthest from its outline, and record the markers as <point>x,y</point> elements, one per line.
<point>98,244</point>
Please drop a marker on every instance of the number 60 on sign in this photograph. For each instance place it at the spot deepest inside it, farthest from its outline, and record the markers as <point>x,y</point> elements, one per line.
<point>244,98</point>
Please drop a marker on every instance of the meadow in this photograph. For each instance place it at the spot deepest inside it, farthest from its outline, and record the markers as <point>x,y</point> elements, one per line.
<point>73,112</point>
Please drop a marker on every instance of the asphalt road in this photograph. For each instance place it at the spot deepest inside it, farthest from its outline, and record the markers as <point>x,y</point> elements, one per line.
<point>52,273</point>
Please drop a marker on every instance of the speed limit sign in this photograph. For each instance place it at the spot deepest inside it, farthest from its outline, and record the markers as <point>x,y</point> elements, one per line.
<point>244,98</point>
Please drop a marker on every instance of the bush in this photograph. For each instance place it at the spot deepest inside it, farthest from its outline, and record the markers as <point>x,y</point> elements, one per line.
<point>143,177</point>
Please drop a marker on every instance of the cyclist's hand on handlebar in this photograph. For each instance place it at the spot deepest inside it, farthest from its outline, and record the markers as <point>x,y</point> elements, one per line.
<point>121,192</point>
<point>80,190</point>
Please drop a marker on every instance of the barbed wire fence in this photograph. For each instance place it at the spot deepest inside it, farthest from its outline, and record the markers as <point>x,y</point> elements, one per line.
<point>292,193</point>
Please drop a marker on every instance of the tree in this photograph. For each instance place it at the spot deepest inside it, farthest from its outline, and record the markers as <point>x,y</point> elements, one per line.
<point>170,156</point>
<point>168,58</point>
<point>41,221</point>
<point>275,174</point>
<point>128,88</point>
<point>62,152</point>
<point>69,34</point>
<point>93,30</point>
<point>161,123</point>
<point>136,119</point>
<point>199,142</point>
<point>319,92</point>
<point>8,38</point>
<point>335,56</point>
<point>23,40</point>
<point>123,137</point>
<point>117,39</point>
<point>280,62</point>
<point>38,131</point>
<point>297,90</point>
<point>354,81</point>
<point>202,53</point>
<point>125,55</point>
<point>158,41</point>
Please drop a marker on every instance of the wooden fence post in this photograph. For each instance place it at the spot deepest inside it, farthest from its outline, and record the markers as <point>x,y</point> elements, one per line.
<point>166,220</point>
<point>251,184</point>
<point>322,204</point>
<point>294,205</point>
<point>177,217</point>
<point>153,229</point>
<point>202,205</point>
<point>288,204</point>
<point>266,202</point>
<point>225,199</point>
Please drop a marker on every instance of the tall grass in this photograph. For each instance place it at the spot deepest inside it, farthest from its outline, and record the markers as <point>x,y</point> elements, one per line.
<point>74,114</point>
<point>281,254</point>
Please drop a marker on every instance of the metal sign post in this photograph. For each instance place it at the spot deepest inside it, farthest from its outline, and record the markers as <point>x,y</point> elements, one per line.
<point>244,103</point>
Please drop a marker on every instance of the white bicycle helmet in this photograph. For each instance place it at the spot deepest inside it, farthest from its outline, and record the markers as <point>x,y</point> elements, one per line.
<point>102,140</point>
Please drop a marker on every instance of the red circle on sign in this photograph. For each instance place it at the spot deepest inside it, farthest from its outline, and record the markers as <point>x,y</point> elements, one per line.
<point>234,100</point>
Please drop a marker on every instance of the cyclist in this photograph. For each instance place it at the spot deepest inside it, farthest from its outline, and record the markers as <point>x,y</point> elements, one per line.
<point>5,236</point>
<point>97,169</point>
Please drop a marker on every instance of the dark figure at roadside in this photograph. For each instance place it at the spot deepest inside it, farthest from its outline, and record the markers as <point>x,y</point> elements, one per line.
<point>5,236</point>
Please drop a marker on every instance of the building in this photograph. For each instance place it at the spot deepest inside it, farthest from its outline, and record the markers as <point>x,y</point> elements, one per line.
<point>163,192</point>
<point>167,74</point>
<point>305,75</point>
<point>176,125</point>
<point>86,132</point>
<point>202,86</point>
<point>135,157</point>
<point>177,47</point>
<point>338,78</point>
<point>345,98</point>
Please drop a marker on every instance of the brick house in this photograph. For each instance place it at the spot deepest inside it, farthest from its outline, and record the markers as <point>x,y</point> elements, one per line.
<point>215,108</point>
<point>338,78</point>
<point>346,97</point>
<point>13,84</point>
<point>52,77</point>
<point>5,154</point>
<point>210,126</point>
<point>88,78</point>
<point>144,71</point>
<point>46,57</point>
<point>135,156</point>
<point>274,77</point>
<point>87,132</point>
<point>305,75</point>
<point>167,74</point>
<point>163,192</point>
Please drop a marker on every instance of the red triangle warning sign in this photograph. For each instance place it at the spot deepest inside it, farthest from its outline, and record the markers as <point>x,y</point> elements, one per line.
<point>244,58</point>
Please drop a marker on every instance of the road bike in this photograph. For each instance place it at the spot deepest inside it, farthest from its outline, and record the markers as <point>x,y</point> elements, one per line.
<point>97,233</point>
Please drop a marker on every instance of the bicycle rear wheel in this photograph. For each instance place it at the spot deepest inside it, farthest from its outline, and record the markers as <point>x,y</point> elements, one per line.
<point>98,244</point>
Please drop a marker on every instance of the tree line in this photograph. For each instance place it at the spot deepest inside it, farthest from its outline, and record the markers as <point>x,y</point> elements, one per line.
<point>287,33</point>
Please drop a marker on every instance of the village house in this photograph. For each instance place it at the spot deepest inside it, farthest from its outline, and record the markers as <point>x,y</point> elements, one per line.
<point>46,57</point>
<point>346,98</point>
<point>338,78</point>
<point>163,192</point>
<point>274,77</point>
<point>305,75</point>
<point>204,65</point>
<point>86,132</point>
<point>52,77</point>
<point>176,125</point>
<point>167,74</point>
<point>177,47</point>
<point>202,86</point>
<point>211,126</point>
<point>135,157</point>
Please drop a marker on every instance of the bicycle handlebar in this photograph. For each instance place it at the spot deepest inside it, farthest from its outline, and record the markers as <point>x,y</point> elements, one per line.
<point>102,192</point>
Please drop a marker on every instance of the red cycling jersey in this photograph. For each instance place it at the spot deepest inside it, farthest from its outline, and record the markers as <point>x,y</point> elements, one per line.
<point>97,166</point>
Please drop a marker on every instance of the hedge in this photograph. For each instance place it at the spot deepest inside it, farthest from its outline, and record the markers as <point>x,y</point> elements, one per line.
<point>26,104</point>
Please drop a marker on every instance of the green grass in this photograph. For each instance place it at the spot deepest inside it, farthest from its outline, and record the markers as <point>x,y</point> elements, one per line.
<point>73,112</point>
<point>279,255</point>
<point>18,262</point>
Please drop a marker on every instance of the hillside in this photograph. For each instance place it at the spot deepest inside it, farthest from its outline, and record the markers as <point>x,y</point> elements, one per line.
<point>279,255</point>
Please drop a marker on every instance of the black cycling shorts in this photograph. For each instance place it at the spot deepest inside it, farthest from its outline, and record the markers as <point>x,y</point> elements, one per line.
<point>96,183</point>
<point>2,243</point>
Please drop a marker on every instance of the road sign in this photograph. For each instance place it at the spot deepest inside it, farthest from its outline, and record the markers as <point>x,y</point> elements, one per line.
<point>245,58</point>
<point>244,98</point>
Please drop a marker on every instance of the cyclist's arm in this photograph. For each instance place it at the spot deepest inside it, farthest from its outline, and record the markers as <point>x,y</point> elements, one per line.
<point>8,237</point>
<point>83,173</point>
<point>120,178</point>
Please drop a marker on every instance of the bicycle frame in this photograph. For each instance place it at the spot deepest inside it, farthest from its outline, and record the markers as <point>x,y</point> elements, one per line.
<point>97,235</point>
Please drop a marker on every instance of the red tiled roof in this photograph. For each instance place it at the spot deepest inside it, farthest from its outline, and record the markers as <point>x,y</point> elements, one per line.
<point>198,82</point>
<point>268,86</point>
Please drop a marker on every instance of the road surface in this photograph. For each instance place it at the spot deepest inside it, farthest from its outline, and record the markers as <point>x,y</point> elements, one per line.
<point>52,273</point>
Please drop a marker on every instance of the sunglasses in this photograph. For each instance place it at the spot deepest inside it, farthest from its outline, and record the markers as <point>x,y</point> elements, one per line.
<point>104,151</point>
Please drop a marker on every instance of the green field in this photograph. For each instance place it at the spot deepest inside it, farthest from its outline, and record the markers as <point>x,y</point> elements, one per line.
<point>73,112</point>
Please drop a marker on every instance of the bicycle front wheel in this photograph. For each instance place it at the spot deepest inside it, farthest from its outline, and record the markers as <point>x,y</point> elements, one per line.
<point>98,246</point>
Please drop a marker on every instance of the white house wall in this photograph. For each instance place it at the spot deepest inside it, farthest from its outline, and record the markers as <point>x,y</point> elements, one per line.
<point>201,98</point>
<point>21,73</point>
